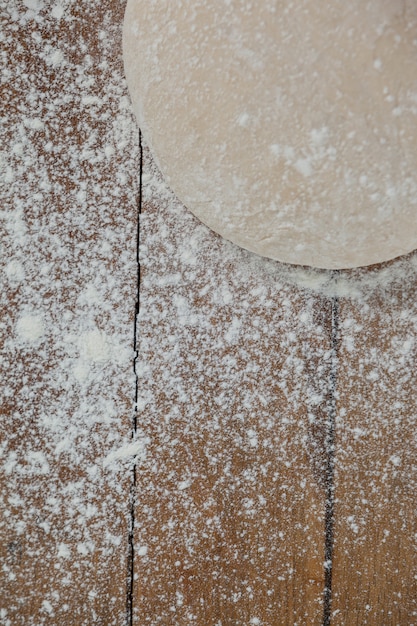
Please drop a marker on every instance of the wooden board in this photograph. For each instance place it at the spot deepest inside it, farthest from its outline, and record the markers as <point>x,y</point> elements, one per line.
<point>234,374</point>
<point>68,220</point>
<point>347,384</point>
<point>243,382</point>
<point>375,555</point>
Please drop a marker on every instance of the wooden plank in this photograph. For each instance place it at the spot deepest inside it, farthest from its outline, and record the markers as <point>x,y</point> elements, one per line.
<point>375,555</point>
<point>233,396</point>
<point>68,217</point>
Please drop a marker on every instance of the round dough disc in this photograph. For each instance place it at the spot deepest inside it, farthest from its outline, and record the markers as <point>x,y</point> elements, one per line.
<point>290,128</point>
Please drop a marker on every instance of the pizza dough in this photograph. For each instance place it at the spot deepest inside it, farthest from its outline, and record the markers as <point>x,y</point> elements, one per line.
<point>290,128</point>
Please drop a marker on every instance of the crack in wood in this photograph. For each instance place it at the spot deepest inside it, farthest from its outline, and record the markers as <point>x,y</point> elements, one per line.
<point>330,468</point>
<point>132,495</point>
<point>322,440</point>
<point>318,367</point>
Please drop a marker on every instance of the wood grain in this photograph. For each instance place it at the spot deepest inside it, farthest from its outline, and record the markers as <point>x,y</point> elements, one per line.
<point>68,275</point>
<point>236,386</point>
<point>375,555</point>
<point>233,399</point>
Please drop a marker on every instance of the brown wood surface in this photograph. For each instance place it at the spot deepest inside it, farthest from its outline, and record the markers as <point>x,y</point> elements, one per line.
<point>68,235</point>
<point>243,382</point>
<point>233,397</point>
<point>375,555</point>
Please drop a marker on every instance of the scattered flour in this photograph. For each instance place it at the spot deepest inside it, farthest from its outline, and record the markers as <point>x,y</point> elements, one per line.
<point>68,263</point>
<point>68,216</point>
<point>30,328</point>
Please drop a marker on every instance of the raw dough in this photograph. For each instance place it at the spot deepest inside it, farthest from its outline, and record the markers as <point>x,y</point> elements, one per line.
<point>288,128</point>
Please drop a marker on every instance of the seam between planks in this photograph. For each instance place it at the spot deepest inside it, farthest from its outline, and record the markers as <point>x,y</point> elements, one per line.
<point>132,494</point>
<point>330,467</point>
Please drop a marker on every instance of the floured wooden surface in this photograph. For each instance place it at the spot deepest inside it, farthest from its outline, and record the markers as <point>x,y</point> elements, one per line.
<point>289,128</point>
<point>241,377</point>
<point>68,213</point>
<point>233,385</point>
<point>236,368</point>
<point>375,554</point>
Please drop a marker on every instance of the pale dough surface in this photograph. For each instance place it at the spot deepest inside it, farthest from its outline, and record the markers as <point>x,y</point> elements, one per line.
<point>290,128</point>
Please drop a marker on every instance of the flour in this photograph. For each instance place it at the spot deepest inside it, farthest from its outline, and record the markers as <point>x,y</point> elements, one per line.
<point>30,328</point>
<point>358,284</point>
<point>68,216</point>
<point>231,348</point>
